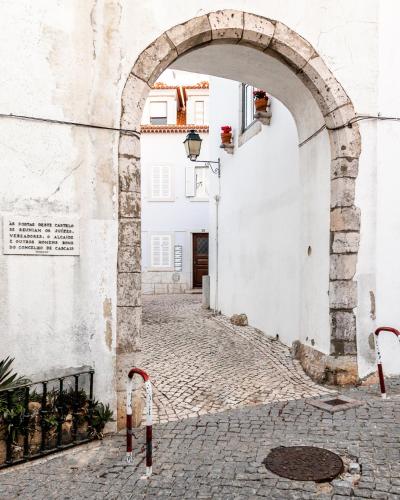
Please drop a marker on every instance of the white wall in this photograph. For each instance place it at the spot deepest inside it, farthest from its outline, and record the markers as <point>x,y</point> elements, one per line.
<point>270,211</point>
<point>180,217</point>
<point>70,60</point>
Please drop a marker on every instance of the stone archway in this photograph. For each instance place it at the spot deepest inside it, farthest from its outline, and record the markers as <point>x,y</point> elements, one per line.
<point>272,37</point>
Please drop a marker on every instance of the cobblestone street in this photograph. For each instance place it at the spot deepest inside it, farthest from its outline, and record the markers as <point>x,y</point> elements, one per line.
<point>220,456</point>
<point>203,364</point>
<point>225,396</point>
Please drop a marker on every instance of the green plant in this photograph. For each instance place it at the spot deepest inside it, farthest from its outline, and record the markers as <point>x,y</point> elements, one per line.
<point>8,379</point>
<point>101,415</point>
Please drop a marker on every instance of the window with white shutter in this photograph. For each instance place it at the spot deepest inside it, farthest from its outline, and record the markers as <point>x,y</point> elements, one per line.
<point>160,188</point>
<point>161,249</point>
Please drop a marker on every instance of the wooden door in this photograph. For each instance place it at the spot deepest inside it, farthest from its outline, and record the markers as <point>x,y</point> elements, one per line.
<point>200,258</point>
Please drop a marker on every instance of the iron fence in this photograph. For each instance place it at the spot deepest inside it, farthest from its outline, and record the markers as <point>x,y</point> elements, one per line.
<point>56,415</point>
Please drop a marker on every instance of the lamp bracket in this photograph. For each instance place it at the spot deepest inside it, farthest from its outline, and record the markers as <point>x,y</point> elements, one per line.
<point>208,163</point>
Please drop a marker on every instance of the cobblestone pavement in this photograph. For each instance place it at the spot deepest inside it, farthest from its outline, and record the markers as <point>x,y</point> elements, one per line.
<point>203,364</point>
<point>219,456</point>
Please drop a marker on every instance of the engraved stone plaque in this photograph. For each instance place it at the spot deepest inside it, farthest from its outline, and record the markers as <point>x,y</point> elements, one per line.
<point>40,235</point>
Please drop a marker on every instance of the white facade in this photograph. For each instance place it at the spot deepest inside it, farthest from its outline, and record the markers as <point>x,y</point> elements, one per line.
<point>174,190</point>
<point>70,61</point>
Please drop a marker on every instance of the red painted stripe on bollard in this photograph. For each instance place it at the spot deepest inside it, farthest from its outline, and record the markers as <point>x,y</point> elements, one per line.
<point>149,446</point>
<point>381,380</point>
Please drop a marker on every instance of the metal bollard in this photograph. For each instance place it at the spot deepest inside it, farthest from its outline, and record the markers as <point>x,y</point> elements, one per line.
<point>149,419</point>
<point>379,357</point>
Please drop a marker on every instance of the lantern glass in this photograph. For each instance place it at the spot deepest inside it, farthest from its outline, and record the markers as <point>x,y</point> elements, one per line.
<point>192,145</point>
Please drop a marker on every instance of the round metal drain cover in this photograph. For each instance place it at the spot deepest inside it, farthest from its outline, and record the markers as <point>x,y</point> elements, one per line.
<point>304,463</point>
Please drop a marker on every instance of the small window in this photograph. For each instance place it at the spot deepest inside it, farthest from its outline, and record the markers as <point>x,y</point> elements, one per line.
<point>199,112</point>
<point>158,112</point>
<point>247,106</point>
<point>161,247</point>
<point>161,182</point>
<point>201,174</point>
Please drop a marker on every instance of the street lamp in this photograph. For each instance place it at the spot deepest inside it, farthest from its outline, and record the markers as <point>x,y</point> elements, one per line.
<point>193,146</point>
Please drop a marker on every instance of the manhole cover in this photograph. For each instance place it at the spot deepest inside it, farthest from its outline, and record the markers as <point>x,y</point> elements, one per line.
<point>335,402</point>
<point>304,463</point>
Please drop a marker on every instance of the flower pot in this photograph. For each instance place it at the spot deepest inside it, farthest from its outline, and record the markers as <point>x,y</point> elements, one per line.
<point>261,103</point>
<point>226,138</point>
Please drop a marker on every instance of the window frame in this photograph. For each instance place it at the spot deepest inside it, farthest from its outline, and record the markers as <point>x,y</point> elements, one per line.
<point>170,266</point>
<point>171,196</point>
<point>153,101</point>
<point>244,107</point>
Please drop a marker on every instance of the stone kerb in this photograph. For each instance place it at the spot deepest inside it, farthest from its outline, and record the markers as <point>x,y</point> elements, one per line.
<point>230,26</point>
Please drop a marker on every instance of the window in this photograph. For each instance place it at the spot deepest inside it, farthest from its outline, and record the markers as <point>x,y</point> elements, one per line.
<point>199,112</point>
<point>247,106</point>
<point>161,183</point>
<point>161,246</point>
<point>201,175</point>
<point>158,112</point>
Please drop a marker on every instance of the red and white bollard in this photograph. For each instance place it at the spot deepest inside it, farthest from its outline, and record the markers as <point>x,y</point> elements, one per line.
<point>149,419</point>
<point>379,357</point>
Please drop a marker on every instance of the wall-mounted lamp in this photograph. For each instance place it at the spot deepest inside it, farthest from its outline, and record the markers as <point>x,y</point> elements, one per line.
<point>193,146</point>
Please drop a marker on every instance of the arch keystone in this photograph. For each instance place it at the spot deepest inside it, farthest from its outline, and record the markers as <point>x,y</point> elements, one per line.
<point>258,31</point>
<point>191,34</point>
<point>226,25</point>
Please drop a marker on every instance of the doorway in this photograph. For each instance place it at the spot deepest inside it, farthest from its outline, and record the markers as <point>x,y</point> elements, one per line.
<point>200,258</point>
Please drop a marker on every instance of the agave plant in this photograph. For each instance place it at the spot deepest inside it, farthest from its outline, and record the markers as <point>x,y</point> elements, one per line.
<point>8,379</point>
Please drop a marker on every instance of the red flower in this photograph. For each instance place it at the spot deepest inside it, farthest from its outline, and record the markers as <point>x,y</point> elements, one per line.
<point>226,129</point>
<point>259,94</point>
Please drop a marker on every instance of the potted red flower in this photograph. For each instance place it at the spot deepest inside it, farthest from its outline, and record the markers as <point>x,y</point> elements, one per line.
<point>226,134</point>
<point>260,99</point>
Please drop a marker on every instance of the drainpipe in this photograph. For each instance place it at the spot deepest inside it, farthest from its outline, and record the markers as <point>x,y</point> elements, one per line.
<point>217,198</point>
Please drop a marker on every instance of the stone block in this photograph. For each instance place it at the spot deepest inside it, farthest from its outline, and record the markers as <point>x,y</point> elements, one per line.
<point>226,25</point>
<point>342,294</point>
<point>345,142</point>
<point>160,288</point>
<point>129,204</point>
<point>294,49</point>
<point>129,174</point>
<point>129,259</point>
<point>155,59</point>
<point>342,266</point>
<point>345,219</point>
<point>345,242</point>
<point>147,288</point>
<point>341,370</point>
<point>134,98</point>
<point>342,192</point>
<point>175,288</point>
<point>258,31</point>
<point>166,277</point>
<point>326,90</point>
<point>129,145</point>
<point>195,32</point>
<point>344,167</point>
<point>128,289</point>
<point>239,320</point>
<point>340,116</point>
<point>129,232</point>
<point>343,325</point>
<point>129,326</point>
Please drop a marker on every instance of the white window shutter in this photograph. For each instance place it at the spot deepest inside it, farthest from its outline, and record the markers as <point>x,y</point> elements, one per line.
<point>161,250</point>
<point>161,182</point>
<point>190,181</point>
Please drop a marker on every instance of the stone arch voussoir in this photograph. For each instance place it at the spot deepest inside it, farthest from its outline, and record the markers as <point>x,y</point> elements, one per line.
<point>274,37</point>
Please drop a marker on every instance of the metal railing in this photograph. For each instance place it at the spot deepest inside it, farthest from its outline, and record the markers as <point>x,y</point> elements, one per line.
<point>21,426</point>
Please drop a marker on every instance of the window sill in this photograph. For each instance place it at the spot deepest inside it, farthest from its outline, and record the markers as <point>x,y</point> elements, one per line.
<point>252,130</point>
<point>160,199</point>
<point>160,269</point>
<point>199,199</point>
